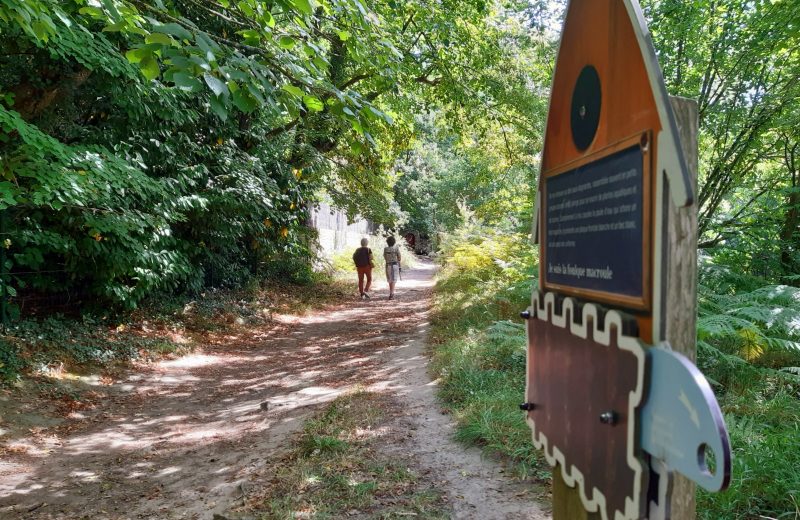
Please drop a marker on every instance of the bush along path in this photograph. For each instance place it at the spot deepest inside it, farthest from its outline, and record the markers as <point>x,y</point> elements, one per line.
<point>330,414</point>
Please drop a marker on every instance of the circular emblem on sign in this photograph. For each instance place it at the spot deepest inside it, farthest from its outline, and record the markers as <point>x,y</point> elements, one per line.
<point>585,112</point>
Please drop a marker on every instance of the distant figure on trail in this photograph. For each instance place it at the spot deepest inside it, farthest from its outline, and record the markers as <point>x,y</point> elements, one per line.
<point>364,264</point>
<point>411,240</point>
<point>392,256</point>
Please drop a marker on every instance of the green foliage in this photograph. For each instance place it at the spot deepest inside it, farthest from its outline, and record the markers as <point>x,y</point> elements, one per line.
<point>766,443</point>
<point>168,146</point>
<point>740,316</point>
<point>740,60</point>
<point>747,333</point>
<point>40,345</point>
<point>480,354</point>
<point>11,362</point>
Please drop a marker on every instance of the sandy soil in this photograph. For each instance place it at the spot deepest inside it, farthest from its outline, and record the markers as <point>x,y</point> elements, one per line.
<point>184,439</point>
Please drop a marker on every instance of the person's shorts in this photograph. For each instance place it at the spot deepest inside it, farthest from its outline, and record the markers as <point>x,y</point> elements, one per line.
<point>392,272</point>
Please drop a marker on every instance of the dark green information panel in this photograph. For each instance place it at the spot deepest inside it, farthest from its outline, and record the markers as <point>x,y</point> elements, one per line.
<point>593,228</point>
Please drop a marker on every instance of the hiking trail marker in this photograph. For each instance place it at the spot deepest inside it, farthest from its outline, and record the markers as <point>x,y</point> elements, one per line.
<point>615,409</point>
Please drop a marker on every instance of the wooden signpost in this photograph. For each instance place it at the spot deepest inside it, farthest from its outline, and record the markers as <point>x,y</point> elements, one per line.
<point>619,410</point>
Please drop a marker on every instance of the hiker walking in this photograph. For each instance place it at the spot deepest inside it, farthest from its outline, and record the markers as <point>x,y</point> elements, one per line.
<point>364,264</point>
<point>392,256</point>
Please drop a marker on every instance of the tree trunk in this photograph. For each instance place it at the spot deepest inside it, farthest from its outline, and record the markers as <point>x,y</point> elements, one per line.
<point>788,234</point>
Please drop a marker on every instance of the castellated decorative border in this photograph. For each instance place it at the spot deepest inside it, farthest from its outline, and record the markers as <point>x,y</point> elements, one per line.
<point>544,309</point>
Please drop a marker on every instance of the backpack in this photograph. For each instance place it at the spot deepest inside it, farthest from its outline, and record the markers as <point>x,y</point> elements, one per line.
<point>361,256</point>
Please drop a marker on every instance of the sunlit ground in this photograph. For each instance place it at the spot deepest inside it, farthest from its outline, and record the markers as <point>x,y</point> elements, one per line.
<point>194,423</point>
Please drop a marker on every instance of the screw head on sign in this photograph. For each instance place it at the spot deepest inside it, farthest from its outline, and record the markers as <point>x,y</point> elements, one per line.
<point>525,315</point>
<point>527,407</point>
<point>609,418</point>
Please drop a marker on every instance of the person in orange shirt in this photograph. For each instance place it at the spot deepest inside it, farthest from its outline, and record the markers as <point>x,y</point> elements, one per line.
<point>364,265</point>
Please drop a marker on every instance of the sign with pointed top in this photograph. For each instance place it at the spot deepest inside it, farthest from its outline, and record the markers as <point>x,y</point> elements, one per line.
<point>610,131</point>
<point>616,413</point>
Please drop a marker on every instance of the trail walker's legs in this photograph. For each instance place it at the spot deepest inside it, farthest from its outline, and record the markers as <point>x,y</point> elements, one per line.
<point>391,277</point>
<point>365,271</point>
<point>368,273</point>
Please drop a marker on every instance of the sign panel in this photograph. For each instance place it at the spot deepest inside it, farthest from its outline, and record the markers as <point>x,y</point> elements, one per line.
<point>585,385</point>
<point>594,226</point>
<point>682,424</point>
<point>599,404</point>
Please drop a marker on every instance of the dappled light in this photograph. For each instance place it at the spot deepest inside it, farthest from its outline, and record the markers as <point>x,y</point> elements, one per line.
<point>196,196</point>
<point>170,421</point>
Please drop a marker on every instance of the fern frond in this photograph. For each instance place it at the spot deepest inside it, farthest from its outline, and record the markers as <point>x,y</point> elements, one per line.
<point>722,325</point>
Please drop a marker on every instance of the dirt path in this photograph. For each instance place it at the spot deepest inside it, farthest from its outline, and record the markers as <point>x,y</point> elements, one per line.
<point>184,438</point>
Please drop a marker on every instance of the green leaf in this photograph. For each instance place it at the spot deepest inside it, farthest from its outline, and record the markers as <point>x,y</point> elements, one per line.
<point>159,38</point>
<point>253,89</point>
<point>343,35</point>
<point>92,11</point>
<point>286,42</point>
<point>380,115</point>
<point>304,6</point>
<point>150,68</point>
<point>112,9</point>
<point>291,89</point>
<point>320,63</point>
<point>244,101</point>
<point>114,27</point>
<point>173,29</point>
<point>208,45</point>
<point>186,82</point>
<point>219,108</point>
<point>313,103</point>
<point>40,30</point>
<point>218,87</point>
<point>63,17</point>
<point>246,9</point>
<point>251,36</point>
<point>138,54</point>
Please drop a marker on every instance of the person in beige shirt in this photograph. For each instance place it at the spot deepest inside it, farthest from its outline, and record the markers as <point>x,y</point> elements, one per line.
<point>392,256</point>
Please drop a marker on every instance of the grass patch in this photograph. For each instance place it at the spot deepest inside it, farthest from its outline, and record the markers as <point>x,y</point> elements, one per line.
<point>479,352</point>
<point>338,468</point>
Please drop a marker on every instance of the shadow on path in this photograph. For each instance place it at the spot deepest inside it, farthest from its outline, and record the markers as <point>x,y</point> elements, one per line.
<point>181,438</point>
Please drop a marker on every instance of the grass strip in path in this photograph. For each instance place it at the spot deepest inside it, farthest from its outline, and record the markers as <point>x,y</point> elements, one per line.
<point>346,464</point>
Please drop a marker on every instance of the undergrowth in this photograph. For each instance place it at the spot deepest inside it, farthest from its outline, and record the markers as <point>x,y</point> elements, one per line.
<point>162,328</point>
<point>480,352</point>
<point>748,333</point>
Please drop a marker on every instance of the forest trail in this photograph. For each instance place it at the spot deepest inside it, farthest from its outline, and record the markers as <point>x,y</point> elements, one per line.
<point>186,438</point>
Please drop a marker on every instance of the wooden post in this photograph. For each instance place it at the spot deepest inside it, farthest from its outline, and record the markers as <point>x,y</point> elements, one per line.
<point>567,503</point>
<point>680,324</point>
